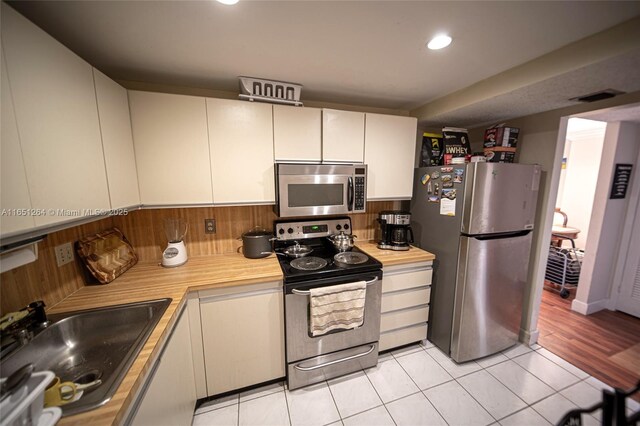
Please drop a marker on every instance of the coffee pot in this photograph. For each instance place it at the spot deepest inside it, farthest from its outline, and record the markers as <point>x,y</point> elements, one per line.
<point>395,230</point>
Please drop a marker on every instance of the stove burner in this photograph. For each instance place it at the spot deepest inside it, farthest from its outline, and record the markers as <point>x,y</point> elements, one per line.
<point>308,263</point>
<point>350,258</point>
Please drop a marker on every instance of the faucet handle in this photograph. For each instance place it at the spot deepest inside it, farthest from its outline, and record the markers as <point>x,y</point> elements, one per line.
<point>37,310</point>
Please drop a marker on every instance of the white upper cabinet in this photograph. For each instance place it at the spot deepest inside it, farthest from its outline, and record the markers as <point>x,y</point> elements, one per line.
<point>390,154</point>
<point>117,142</point>
<point>241,142</point>
<point>342,136</point>
<point>171,148</point>
<point>57,120</point>
<point>14,192</point>
<point>297,134</point>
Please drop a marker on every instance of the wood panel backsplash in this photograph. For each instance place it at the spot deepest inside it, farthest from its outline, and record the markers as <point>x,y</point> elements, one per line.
<point>44,280</point>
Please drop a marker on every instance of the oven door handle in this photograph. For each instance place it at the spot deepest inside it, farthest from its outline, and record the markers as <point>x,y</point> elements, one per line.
<point>307,292</point>
<point>326,364</point>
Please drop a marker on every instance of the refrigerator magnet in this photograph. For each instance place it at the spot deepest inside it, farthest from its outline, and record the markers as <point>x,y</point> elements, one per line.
<point>446,178</point>
<point>457,179</point>
<point>448,207</point>
<point>434,199</point>
<point>437,188</point>
<point>446,169</point>
<point>435,175</point>
<point>425,178</point>
<point>447,184</point>
<point>429,188</point>
<point>459,172</point>
<point>449,194</point>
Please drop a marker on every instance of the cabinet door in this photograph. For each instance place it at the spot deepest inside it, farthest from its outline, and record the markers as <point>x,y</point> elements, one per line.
<point>343,136</point>
<point>389,152</point>
<point>14,192</point>
<point>172,148</point>
<point>241,141</point>
<point>57,119</point>
<point>117,141</point>
<point>297,134</point>
<point>170,397</point>
<point>243,336</point>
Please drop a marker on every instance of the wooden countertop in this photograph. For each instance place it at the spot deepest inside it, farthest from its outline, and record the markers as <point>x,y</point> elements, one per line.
<point>148,281</point>
<point>392,257</point>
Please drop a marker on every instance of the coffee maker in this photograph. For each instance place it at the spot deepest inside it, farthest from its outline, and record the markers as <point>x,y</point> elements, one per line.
<point>395,231</point>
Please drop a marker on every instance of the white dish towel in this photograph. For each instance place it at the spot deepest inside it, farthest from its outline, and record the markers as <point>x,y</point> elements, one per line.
<point>337,307</point>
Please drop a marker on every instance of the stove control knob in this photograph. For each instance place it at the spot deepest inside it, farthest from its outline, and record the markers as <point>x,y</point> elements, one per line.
<point>338,227</point>
<point>346,226</point>
<point>290,230</point>
<point>281,231</point>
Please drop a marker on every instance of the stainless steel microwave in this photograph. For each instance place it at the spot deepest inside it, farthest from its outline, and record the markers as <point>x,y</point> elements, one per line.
<point>320,189</point>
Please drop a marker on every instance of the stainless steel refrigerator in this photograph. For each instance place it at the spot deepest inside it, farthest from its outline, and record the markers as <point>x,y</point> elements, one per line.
<point>477,219</point>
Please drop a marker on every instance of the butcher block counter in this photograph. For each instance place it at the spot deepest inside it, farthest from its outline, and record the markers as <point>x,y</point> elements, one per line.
<point>148,281</point>
<point>392,257</point>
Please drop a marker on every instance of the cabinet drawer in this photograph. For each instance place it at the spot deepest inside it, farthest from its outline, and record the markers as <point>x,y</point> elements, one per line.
<point>405,299</point>
<point>393,339</point>
<point>402,281</point>
<point>404,318</point>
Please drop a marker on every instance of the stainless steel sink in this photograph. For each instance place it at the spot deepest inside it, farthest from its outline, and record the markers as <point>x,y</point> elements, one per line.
<point>87,345</point>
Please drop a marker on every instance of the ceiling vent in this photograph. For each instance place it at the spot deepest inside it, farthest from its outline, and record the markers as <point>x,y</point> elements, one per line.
<point>598,96</point>
<point>261,90</point>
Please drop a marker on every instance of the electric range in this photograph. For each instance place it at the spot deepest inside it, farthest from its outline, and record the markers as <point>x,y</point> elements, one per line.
<point>313,359</point>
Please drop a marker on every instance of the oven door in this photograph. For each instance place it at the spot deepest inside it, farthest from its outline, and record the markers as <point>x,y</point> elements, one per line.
<point>301,345</point>
<point>310,195</point>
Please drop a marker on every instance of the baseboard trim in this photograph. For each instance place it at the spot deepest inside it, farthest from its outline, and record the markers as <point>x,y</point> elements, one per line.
<point>529,337</point>
<point>589,308</point>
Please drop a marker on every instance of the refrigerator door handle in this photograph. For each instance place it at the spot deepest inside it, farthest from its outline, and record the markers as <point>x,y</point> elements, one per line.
<point>485,237</point>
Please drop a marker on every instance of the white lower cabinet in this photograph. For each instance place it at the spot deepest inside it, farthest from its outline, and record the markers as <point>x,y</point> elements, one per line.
<point>170,397</point>
<point>406,294</point>
<point>242,335</point>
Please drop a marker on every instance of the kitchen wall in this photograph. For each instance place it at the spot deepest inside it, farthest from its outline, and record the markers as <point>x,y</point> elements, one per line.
<point>43,279</point>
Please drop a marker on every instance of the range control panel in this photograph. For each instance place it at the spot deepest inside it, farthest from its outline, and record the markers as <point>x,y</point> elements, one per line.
<point>298,230</point>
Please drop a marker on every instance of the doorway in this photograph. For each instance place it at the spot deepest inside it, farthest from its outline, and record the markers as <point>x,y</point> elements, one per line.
<point>591,328</point>
<point>574,203</point>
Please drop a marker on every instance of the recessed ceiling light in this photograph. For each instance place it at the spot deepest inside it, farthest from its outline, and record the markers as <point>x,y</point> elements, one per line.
<point>438,42</point>
<point>228,2</point>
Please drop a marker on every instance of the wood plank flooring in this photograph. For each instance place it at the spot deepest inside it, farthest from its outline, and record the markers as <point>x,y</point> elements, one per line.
<point>594,343</point>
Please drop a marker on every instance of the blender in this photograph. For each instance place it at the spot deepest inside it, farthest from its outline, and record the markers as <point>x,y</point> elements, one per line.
<point>176,252</point>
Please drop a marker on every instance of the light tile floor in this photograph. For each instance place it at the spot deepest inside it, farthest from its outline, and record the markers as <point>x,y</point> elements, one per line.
<point>419,385</point>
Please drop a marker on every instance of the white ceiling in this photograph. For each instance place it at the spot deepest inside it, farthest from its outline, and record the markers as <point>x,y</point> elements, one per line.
<point>368,53</point>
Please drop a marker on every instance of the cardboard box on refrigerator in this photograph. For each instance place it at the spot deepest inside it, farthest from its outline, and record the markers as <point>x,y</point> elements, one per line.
<point>500,154</point>
<point>501,136</point>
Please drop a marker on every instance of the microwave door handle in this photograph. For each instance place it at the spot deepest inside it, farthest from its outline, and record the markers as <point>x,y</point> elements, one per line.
<point>350,194</point>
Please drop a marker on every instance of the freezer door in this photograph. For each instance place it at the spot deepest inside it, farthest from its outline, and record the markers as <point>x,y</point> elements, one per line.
<point>499,197</point>
<point>491,279</point>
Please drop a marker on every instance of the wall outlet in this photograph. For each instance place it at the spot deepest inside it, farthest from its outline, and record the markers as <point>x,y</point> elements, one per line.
<point>209,226</point>
<point>64,254</point>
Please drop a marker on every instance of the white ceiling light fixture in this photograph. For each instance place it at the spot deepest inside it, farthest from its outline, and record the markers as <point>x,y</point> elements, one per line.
<point>228,2</point>
<point>439,42</point>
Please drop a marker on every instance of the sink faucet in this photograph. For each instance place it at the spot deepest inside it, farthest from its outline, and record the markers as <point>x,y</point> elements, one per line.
<point>26,328</point>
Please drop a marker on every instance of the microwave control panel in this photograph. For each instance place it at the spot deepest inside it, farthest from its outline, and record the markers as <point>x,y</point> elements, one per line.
<point>360,193</point>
